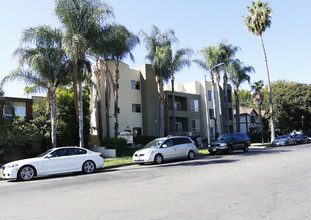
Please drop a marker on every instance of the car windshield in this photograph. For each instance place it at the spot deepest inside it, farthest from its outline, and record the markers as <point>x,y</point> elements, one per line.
<point>224,137</point>
<point>155,143</point>
<point>281,137</point>
<point>45,153</point>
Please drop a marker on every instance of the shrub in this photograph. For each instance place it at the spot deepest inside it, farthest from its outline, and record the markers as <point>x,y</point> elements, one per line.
<point>143,140</point>
<point>120,144</point>
<point>256,137</point>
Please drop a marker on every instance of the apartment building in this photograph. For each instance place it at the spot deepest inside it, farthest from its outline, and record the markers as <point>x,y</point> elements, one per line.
<point>20,107</point>
<point>139,105</point>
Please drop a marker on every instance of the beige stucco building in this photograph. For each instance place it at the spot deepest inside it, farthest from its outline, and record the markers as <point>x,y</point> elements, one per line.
<point>139,105</point>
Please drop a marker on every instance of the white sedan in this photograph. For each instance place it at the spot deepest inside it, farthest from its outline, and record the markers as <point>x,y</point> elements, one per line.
<point>168,148</point>
<point>54,161</point>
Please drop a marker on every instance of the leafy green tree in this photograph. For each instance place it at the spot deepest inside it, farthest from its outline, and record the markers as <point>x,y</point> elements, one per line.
<point>68,125</point>
<point>292,107</point>
<point>82,21</point>
<point>47,65</point>
<point>256,22</point>
<point>245,99</point>
<point>238,74</point>
<point>19,137</point>
<point>157,45</point>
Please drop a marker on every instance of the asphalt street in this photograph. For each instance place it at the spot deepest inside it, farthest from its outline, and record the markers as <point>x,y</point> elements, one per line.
<point>271,183</point>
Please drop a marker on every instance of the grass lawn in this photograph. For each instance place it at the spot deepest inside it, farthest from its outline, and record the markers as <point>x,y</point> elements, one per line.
<point>117,161</point>
<point>263,145</point>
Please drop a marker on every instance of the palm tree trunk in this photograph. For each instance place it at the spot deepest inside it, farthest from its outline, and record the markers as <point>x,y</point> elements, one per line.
<point>81,137</point>
<point>208,130</point>
<point>116,101</point>
<point>220,111</point>
<point>160,85</point>
<point>174,110</point>
<point>227,107</point>
<point>237,109</point>
<point>269,89</point>
<point>75,88</point>
<point>53,117</point>
<point>214,106</point>
<point>261,131</point>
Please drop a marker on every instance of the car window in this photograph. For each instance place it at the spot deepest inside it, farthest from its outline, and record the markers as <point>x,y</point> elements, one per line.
<point>59,153</point>
<point>75,151</point>
<point>168,143</point>
<point>177,141</point>
<point>238,137</point>
<point>226,137</point>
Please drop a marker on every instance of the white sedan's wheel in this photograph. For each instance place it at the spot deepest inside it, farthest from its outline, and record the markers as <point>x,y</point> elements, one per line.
<point>88,167</point>
<point>26,173</point>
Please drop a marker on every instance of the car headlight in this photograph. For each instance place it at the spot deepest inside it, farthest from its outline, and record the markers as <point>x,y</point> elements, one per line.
<point>223,144</point>
<point>13,165</point>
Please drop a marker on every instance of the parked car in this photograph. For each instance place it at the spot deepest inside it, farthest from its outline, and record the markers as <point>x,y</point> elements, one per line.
<point>229,142</point>
<point>301,139</point>
<point>54,161</point>
<point>168,148</point>
<point>284,140</point>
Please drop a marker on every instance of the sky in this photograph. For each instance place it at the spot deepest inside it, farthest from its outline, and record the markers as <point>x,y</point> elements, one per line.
<point>197,24</point>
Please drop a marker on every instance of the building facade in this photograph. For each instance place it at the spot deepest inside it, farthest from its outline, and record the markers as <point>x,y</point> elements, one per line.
<point>139,105</point>
<point>20,107</point>
<point>249,120</point>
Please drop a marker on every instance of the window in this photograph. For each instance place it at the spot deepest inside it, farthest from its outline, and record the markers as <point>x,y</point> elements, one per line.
<point>177,106</point>
<point>135,84</point>
<point>178,126</point>
<point>230,113</point>
<point>211,114</point>
<point>168,143</point>
<point>59,153</point>
<point>177,141</point>
<point>211,132</point>
<point>209,95</point>
<point>194,105</point>
<point>229,95</point>
<point>136,108</point>
<point>253,119</point>
<point>195,125</point>
<point>19,111</point>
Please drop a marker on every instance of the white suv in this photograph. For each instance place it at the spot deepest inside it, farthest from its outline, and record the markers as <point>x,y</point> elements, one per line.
<point>168,148</point>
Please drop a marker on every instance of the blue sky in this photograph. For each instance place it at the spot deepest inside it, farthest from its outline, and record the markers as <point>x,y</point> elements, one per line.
<point>199,24</point>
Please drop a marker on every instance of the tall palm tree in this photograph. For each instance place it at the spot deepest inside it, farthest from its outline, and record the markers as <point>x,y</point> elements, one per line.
<point>238,73</point>
<point>211,63</point>
<point>177,62</point>
<point>227,53</point>
<point>121,44</point>
<point>258,99</point>
<point>256,22</point>
<point>82,21</point>
<point>158,45</point>
<point>48,65</point>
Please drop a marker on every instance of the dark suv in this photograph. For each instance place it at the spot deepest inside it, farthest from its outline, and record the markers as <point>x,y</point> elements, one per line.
<point>229,142</point>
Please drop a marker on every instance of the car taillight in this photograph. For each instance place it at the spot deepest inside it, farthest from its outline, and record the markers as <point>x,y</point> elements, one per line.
<point>196,145</point>
<point>101,155</point>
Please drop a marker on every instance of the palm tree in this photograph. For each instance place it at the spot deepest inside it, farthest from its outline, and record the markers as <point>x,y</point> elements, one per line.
<point>256,22</point>
<point>48,66</point>
<point>211,63</point>
<point>158,45</point>
<point>177,62</point>
<point>122,42</point>
<point>258,98</point>
<point>82,22</point>
<point>238,73</point>
<point>227,53</point>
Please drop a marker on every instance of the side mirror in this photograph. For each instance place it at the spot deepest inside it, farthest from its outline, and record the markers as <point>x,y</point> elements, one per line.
<point>49,156</point>
<point>164,146</point>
